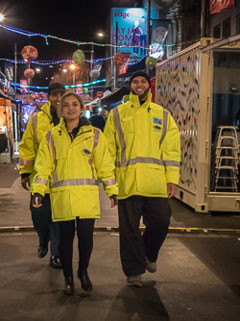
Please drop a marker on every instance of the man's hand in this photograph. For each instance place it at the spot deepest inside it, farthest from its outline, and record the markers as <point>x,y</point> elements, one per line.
<point>37,200</point>
<point>25,182</point>
<point>171,190</point>
<point>114,201</point>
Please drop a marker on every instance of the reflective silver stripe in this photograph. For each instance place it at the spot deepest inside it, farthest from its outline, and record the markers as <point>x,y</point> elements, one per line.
<point>26,162</point>
<point>34,124</point>
<point>40,181</point>
<point>117,123</point>
<point>96,137</point>
<point>171,163</point>
<point>51,144</point>
<point>164,128</point>
<point>75,182</point>
<point>109,182</point>
<point>54,177</point>
<point>95,142</point>
<point>143,160</point>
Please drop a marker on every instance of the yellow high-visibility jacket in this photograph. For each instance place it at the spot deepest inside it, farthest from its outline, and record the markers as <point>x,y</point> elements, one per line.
<point>38,125</point>
<point>144,142</point>
<point>74,170</point>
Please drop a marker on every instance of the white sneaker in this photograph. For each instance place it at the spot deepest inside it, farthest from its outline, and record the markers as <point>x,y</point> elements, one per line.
<point>135,280</point>
<point>151,266</point>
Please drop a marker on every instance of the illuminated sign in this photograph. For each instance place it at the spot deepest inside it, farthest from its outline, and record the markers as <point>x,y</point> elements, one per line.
<point>131,24</point>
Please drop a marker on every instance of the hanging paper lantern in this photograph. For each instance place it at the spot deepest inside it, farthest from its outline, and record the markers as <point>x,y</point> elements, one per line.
<point>85,90</point>
<point>118,59</point>
<point>29,73</point>
<point>150,62</point>
<point>94,74</point>
<point>78,57</point>
<point>29,53</point>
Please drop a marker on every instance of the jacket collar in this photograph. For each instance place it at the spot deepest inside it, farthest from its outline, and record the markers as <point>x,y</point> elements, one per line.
<point>135,100</point>
<point>46,108</point>
<point>82,127</point>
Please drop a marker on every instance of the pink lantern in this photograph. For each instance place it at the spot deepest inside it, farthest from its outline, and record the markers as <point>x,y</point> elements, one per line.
<point>29,73</point>
<point>29,53</point>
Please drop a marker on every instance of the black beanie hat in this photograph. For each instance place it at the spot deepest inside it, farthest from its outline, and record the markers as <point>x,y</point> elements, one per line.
<point>142,74</point>
<point>56,87</point>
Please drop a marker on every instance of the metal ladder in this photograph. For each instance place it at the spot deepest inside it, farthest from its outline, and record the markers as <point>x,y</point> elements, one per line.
<point>226,159</point>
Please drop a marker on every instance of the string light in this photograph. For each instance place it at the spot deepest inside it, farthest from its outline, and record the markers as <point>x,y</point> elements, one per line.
<point>58,62</point>
<point>78,43</point>
<point>14,84</point>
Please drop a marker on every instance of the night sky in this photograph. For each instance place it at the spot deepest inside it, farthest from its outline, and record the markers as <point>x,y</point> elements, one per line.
<point>75,20</point>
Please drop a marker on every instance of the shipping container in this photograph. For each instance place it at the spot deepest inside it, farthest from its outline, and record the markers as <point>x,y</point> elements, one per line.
<point>201,89</point>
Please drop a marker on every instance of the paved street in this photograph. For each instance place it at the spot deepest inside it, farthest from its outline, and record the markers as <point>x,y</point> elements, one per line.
<point>197,278</point>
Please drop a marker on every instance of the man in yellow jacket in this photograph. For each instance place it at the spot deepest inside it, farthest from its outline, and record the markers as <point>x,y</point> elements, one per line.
<point>38,125</point>
<point>144,142</point>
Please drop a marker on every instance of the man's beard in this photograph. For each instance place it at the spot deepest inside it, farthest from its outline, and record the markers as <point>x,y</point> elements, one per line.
<point>144,94</point>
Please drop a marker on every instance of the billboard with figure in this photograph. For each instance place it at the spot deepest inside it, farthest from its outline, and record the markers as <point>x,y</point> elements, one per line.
<point>131,24</point>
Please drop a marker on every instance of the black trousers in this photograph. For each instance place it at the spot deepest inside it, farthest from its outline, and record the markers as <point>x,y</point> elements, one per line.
<point>135,247</point>
<point>85,243</point>
<point>46,229</point>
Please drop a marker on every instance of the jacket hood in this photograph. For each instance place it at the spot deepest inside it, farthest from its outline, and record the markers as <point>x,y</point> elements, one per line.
<point>134,99</point>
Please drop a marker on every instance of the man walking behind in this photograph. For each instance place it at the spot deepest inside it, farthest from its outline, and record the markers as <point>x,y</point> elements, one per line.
<point>144,142</point>
<point>38,125</point>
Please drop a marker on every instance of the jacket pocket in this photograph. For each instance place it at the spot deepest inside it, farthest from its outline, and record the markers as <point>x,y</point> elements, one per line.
<point>127,125</point>
<point>151,179</point>
<point>60,204</point>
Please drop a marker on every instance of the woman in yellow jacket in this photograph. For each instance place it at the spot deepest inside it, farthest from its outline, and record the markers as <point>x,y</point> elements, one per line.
<point>74,158</point>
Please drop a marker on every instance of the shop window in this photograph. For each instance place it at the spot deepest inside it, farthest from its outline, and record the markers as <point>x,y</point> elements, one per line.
<point>217,31</point>
<point>226,28</point>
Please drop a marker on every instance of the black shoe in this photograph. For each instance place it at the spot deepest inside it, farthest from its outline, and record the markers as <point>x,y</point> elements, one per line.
<point>69,285</point>
<point>55,262</point>
<point>42,252</point>
<point>85,281</point>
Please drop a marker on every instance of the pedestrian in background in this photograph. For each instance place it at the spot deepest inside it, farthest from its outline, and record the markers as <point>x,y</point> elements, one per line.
<point>144,142</point>
<point>97,119</point>
<point>74,156</point>
<point>38,125</point>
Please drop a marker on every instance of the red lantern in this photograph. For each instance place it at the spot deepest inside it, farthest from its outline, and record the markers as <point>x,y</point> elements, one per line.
<point>118,59</point>
<point>29,73</point>
<point>29,53</point>
<point>99,94</point>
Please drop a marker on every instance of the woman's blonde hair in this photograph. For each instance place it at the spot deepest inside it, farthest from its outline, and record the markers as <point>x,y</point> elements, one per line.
<point>67,94</point>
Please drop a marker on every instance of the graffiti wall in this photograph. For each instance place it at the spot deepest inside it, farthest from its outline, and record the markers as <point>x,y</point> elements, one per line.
<point>178,91</point>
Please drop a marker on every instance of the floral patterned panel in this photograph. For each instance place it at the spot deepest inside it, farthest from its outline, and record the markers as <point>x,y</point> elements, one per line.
<point>178,91</point>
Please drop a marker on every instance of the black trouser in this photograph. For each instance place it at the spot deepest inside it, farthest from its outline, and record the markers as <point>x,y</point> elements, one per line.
<point>134,247</point>
<point>45,227</point>
<point>85,243</point>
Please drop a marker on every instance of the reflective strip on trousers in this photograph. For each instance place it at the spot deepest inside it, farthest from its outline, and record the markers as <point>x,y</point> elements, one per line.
<point>75,182</point>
